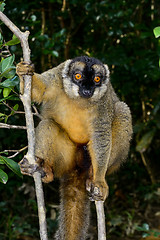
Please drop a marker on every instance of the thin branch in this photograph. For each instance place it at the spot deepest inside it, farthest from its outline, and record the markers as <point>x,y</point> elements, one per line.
<point>26,99</point>
<point>153,180</point>
<point>15,151</point>
<point>101,220</point>
<point>4,125</point>
<point>7,105</point>
<point>36,113</point>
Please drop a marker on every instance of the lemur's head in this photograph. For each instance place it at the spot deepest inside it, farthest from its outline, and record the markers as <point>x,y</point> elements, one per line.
<point>85,77</point>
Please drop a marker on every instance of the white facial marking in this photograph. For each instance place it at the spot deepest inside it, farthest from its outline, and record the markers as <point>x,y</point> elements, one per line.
<point>100,91</point>
<point>107,70</point>
<point>70,87</point>
<point>66,69</point>
<point>75,90</point>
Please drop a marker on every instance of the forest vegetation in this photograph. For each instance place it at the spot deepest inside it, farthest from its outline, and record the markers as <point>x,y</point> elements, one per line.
<point>121,34</point>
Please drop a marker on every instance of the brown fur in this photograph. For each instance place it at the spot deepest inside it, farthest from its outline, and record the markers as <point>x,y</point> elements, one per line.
<point>74,214</point>
<point>68,124</point>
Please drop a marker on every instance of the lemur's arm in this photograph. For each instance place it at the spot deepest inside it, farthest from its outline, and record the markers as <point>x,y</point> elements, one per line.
<point>38,84</point>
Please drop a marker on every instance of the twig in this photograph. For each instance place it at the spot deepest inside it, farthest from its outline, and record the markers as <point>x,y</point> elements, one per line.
<point>26,99</point>
<point>153,180</point>
<point>36,113</point>
<point>4,125</point>
<point>16,152</point>
<point>21,112</point>
<point>100,220</point>
<point>7,105</point>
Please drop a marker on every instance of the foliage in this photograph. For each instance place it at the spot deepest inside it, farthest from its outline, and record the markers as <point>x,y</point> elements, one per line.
<point>119,33</point>
<point>12,165</point>
<point>8,83</point>
<point>2,5</point>
<point>156,32</point>
<point>147,231</point>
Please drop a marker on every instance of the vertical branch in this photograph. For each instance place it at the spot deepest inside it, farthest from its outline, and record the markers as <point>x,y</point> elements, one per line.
<point>100,220</point>
<point>148,168</point>
<point>26,99</point>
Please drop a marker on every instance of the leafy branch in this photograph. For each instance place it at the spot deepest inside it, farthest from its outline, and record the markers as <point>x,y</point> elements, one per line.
<point>26,99</point>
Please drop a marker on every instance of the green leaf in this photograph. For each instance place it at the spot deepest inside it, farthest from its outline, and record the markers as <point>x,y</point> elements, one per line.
<point>16,107</point>
<point>7,63</point>
<point>9,72</point>
<point>55,53</point>
<point>1,161</point>
<point>3,177</point>
<point>145,141</point>
<point>144,235</point>
<point>6,119</point>
<point>33,17</point>
<point>156,234</point>
<point>6,92</point>
<point>2,5</point>
<point>12,165</point>
<point>12,42</point>
<point>2,114</point>
<point>156,32</point>
<point>11,97</point>
<point>10,82</point>
<point>145,226</point>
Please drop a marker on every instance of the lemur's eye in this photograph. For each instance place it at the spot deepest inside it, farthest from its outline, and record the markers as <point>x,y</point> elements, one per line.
<point>97,79</point>
<point>78,76</point>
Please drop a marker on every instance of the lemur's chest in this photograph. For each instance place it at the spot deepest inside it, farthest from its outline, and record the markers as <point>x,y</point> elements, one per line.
<point>73,119</point>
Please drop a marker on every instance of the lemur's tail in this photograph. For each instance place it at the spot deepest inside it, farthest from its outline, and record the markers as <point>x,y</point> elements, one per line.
<point>74,207</point>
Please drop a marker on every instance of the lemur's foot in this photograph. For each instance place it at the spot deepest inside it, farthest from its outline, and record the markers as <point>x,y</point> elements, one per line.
<point>98,191</point>
<point>29,169</point>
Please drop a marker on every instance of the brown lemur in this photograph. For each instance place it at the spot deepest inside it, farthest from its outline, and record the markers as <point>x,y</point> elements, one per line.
<point>84,133</point>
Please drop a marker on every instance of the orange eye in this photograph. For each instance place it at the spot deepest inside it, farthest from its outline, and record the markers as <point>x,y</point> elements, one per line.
<point>97,79</point>
<point>78,76</point>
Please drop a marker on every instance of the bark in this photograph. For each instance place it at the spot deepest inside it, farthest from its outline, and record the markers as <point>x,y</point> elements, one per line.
<point>100,220</point>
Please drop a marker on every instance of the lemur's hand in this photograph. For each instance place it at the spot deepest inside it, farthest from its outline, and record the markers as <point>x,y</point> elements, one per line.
<point>22,69</point>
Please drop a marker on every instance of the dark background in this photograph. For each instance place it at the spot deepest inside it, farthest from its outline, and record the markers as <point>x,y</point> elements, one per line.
<point>119,33</point>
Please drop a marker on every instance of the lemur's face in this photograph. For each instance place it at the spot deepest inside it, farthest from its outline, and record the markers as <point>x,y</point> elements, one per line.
<point>85,77</point>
